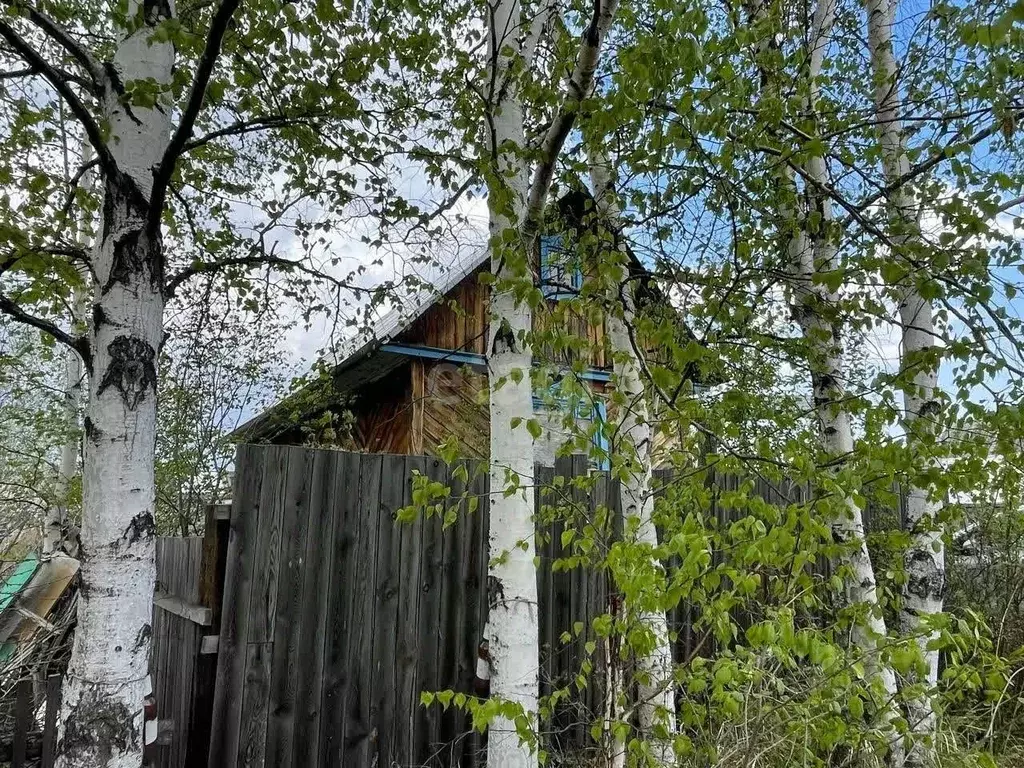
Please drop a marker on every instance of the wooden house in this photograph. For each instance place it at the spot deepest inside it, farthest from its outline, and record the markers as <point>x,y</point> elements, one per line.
<point>418,377</point>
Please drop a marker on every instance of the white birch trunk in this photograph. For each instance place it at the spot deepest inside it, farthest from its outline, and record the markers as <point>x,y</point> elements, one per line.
<point>825,352</point>
<point>513,632</point>
<point>55,526</point>
<point>655,688</point>
<point>813,303</point>
<point>925,558</point>
<point>101,715</point>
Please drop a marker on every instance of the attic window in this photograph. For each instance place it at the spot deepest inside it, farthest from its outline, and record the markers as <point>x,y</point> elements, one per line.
<point>560,275</point>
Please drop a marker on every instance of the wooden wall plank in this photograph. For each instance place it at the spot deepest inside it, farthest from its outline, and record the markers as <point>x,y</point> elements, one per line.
<point>267,554</point>
<point>428,719</point>
<point>22,723</point>
<point>348,571</point>
<point>238,578</point>
<point>213,561</point>
<point>459,314</point>
<point>157,665</point>
<point>407,638</point>
<point>547,541</point>
<point>287,625</point>
<point>418,404</point>
<point>579,602</point>
<point>384,698</point>
<point>454,675</point>
<point>598,597</point>
<point>318,573</point>
<point>255,706</point>
<point>360,737</point>
<point>192,635</point>
<point>561,608</point>
<point>475,753</point>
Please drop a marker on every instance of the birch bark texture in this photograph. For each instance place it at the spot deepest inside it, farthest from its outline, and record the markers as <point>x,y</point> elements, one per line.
<point>55,527</point>
<point>815,309</point>
<point>516,206</point>
<point>924,560</point>
<point>655,686</point>
<point>102,717</point>
<point>513,630</point>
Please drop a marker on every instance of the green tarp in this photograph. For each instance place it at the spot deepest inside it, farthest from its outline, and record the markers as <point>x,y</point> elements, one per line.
<point>16,582</point>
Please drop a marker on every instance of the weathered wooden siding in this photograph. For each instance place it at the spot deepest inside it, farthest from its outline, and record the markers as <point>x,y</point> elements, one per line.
<point>384,415</point>
<point>569,324</point>
<point>459,321</point>
<point>450,400</point>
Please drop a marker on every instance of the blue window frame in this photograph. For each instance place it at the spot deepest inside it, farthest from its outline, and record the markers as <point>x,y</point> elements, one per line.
<point>600,437</point>
<point>560,274</point>
<point>596,412</point>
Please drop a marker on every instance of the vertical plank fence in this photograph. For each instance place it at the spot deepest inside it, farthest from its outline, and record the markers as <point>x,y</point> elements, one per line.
<point>336,617</point>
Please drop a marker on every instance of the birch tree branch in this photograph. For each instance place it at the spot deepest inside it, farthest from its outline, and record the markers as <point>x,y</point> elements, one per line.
<point>33,58</point>
<point>946,153</point>
<point>78,343</point>
<point>255,260</point>
<point>540,24</point>
<point>71,77</point>
<point>243,127</point>
<point>63,38</point>
<point>578,87</point>
<point>196,97</point>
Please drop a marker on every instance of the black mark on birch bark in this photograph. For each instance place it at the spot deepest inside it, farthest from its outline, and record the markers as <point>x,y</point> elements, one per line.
<point>156,11</point>
<point>135,252</point>
<point>131,371</point>
<point>504,340</point>
<point>145,633</point>
<point>128,259</point>
<point>99,316</point>
<point>924,578</point>
<point>141,526</point>
<point>99,728</point>
<point>92,433</point>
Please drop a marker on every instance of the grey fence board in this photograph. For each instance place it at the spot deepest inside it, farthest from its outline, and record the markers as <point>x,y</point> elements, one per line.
<point>342,623</point>
<point>428,725</point>
<point>385,670</point>
<point>176,642</point>
<point>313,613</point>
<point>53,689</point>
<point>359,736</point>
<point>287,625</point>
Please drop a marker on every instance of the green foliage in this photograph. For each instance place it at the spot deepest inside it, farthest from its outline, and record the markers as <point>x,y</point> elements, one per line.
<point>220,364</point>
<point>314,122</point>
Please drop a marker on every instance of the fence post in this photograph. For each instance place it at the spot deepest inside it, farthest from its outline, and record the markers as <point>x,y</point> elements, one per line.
<point>211,595</point>
<point>22,723</point>
<point>53,691</point>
